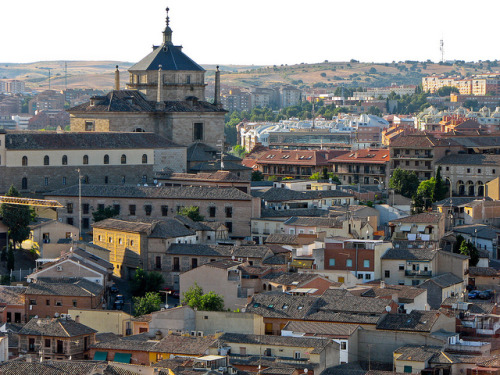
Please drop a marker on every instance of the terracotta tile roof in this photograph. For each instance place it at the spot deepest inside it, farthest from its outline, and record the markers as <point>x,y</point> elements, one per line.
<point>153,192</point>
<point>12,295</point>
<point>319,329</point>
<point>483,271</point>
<point>85,141</point>
<point>73,287</point>
<point>416,353</point>
<point>423,218</point>
<point>55,327</point>
<point>364,156</point>
<point>444,281</point>
<point>490,160</point>
<point>419,321</point>
<point>420,141</point>
<point>403,292</point>
<point>410,254</point>
<point>297,157</point>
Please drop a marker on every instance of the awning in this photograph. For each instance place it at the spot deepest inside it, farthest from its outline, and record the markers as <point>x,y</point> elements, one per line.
<point>122,357</point>
<point>100,356</point>
<point>302,263</point>
<point>421,228</point>
<point>405,228</point>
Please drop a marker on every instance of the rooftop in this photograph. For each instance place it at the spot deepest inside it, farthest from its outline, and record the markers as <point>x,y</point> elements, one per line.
<point>55,327</point>
<point>419,321</point>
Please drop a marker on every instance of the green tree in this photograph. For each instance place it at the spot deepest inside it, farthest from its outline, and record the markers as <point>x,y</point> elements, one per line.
<point>257,176</point>
<point>17,218</point>
<point>144,282</point>
<point>195,299</point>
<point>458,244</point>
<point>425,193</point>
<point>404,182</point>
<point>447,90</point>
<point>468,249</point>
<point>439,192</point>
<point>10,259</point>
<point>105,213</point>
<point>192,212</point>
<point>149,303</point>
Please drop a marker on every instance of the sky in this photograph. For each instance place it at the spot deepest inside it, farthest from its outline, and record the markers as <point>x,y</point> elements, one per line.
<point>259,32</point>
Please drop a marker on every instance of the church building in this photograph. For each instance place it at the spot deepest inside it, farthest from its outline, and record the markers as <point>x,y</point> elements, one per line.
<point>165,95</point>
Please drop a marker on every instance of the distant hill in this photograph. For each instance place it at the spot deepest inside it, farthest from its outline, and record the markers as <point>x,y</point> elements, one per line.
<point>100,74</point>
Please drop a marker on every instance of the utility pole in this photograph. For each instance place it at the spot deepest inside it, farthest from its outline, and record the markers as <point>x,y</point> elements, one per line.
<point>49,69</point>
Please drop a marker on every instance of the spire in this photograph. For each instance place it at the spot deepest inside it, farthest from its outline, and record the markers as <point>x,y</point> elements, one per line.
<point>167,34</point>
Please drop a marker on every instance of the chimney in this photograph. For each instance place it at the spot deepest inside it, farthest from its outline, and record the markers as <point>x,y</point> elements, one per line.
<point>77,319</point>
<point>382,284</point>
<point>160,105</point>
<point>117,79</point>
<point>217,87</point>
<point>158,335</point>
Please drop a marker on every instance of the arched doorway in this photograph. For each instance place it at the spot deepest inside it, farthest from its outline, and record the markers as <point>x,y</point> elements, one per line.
<point>480,188</point>
<point>460,188</point>
<point>470,188</point>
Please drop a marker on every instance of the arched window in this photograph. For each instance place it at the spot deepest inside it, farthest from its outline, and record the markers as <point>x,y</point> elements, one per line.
<point>85,159</point>
<point>46,160</point>
<point>64,160</point>
<point>124,159</point>
<point>144,159</point>
<point>106,159</point>
<point>24,183</point>
<point>25,161</point>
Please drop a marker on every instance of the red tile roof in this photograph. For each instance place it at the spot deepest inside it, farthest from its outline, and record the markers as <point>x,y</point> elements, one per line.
<point>367,155</point>
<point>298,157</point>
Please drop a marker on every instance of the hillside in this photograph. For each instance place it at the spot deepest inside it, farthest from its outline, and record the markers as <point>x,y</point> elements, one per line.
<point>100,74</point>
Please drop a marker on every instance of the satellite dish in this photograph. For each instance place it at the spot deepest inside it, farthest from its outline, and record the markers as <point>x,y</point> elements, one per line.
<point>388,308</point>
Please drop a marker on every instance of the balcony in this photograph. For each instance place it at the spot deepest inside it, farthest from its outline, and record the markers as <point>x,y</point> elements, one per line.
<point>418,273</point>
<point>403,156</point>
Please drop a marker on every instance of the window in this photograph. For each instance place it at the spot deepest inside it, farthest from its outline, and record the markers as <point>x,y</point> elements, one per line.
<point>479,170</point>
<point>144,159</point>
<point>331,262</point>
<point>85,223</point>
<point>348,263</point>
<point>110,239</point>
<point>46,181</point>
<point>117,208</point>
<point>120,241</point>
<point>387,273</point>
<point>46,160</point>
<point>229,226</point>
<point>493,171</point>
<point>69,220</point>
<point>212,211</point>
<point>148,209</point>
<point>64,160</point>
<point>229,212</point>
<point>401,267</point>
<point>47,302</point>
<point>47,343</point>
<point>123,159</point>
<point>24,161</point>
<point>24,183</point>
<point>188,79</point>
<point>164,210</point>
<point>85,159</point>
<point>198,131</point>
<point>85,208</point>
<point>75,303</point>
<point>343,345</point>
<point>158,263</point>
<point>106,159</point>
<point>366,263</point>
<point>58,303</point>
<point>89,126</point>
<point>468,170</point>
<point>100,207</point>
<point>131,209</point>
<point>175,266</point>
<point>106,179</point>
<point>194,263</point>
<point>69,208</point>
<point>296,355</point>
<point>360,276</point>
<point>131,242</point>
<point>368,276</point>
<point>408,369</point>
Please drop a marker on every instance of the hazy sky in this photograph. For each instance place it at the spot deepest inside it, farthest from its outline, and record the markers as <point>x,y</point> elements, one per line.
<point>252,31</point>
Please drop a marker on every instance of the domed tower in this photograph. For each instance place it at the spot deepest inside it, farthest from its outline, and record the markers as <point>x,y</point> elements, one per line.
<point>179,76</point>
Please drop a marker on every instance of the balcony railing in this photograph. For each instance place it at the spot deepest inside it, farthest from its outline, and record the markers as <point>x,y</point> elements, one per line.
<point>418,273</point>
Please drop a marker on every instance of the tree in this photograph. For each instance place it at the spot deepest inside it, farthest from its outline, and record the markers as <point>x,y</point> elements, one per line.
<point>447,90</point>
<point>144,282</point>
<point>458,244</point>
<point>195,299</point>
<point>468,249</point>
<point>10,259</point>
<point>105,213</point>
<point>257,176</point>
<point>439,192</point>
<point>192,212</point>
<point>404,182</point>
<point>17,218</point>
<point>425,194</point>
<point>147,304</point>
